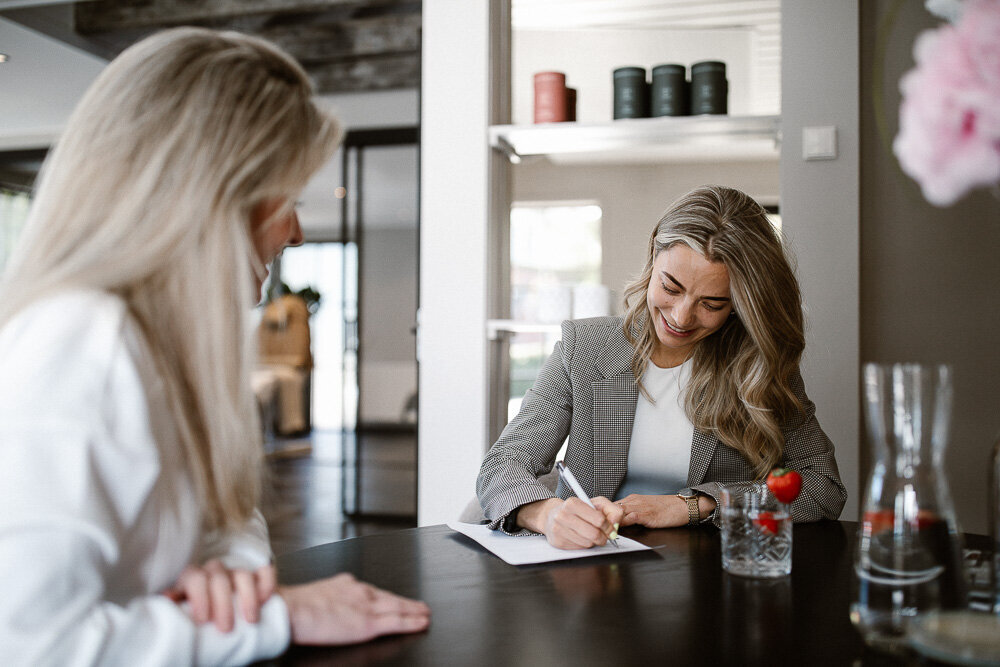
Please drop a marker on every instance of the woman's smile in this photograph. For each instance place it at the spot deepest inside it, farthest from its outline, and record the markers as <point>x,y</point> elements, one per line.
<point>677,331</point>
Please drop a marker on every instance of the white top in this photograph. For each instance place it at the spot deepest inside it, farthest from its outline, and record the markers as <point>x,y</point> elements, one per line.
<point>98,514</point>
<point>659,453</point>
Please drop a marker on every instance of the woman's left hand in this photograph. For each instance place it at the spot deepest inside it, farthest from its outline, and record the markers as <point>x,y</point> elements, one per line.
<point>653,511</point>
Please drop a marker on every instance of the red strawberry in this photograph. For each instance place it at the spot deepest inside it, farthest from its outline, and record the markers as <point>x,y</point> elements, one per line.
<point>785,484</point>
<point>766,522</point>
<point>880,520</point>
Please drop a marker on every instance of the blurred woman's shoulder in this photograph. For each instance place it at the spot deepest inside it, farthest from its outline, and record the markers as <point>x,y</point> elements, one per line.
<point>71,325</point>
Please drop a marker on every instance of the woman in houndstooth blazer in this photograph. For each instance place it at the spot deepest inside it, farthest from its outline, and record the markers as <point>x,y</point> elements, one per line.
<point>700,377</point>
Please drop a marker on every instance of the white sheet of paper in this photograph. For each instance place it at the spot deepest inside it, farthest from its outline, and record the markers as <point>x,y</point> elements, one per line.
<point>535,548</point>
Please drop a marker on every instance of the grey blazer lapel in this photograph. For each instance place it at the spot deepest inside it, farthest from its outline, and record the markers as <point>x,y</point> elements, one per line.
<point>702,450</point>
<point>614,411</point>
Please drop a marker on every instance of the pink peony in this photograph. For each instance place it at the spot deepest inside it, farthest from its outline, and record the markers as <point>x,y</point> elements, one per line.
<point>949,119</point>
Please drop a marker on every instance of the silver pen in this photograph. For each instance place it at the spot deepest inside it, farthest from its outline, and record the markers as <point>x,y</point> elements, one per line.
<point>567,476</point>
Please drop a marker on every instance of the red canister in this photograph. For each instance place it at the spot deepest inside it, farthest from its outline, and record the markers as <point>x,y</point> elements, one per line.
<point>550,97</point>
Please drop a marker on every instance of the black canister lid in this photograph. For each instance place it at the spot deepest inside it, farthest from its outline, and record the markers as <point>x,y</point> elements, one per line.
<point>709,66</point>
<point>669,68</point>
<point>630,72</point>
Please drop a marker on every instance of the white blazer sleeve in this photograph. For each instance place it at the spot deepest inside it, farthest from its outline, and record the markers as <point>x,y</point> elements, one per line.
<point>70,493</point>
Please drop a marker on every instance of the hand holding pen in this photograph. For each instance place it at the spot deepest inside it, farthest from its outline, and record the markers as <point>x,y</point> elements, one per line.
<point>582,522</point>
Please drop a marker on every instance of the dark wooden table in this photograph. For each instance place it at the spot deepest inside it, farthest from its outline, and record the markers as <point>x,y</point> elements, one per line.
<point>673,605</point>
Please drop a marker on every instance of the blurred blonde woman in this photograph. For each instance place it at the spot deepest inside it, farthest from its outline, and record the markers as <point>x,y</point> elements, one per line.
<point>130,448</point>
<point>695,389</point>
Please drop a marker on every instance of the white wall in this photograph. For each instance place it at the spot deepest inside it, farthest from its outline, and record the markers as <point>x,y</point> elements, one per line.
<point>40,85</point>
<point>451,345</point>
<point>819,207</point>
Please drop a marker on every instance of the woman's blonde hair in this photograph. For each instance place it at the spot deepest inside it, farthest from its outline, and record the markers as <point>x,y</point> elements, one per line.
<point>740,381</point>
<point>148,195</point>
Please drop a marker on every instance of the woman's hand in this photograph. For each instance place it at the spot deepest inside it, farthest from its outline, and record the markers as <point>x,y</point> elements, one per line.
<point>343,610</point>
<point>653,511</point>
<point>572,523</point>
<point>208,590</point>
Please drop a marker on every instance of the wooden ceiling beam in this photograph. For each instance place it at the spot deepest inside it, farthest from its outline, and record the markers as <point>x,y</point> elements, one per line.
<point>113,15</point>
<point>360,74</point>
<point>319,42</point>
<point>345,45</point>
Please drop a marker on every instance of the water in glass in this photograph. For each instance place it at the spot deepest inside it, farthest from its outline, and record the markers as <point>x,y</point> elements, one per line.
<point>756,534</point>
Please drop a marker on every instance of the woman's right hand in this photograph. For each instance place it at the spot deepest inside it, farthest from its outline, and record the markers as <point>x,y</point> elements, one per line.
<point>209,589</point>
<point>572,523</point>
<point>343,610</point>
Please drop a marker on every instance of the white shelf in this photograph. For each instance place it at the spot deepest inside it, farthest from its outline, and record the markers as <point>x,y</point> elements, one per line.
<point>644,140</point>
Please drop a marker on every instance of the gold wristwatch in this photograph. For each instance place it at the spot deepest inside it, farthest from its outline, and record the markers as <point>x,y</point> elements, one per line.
<point>691,498</point>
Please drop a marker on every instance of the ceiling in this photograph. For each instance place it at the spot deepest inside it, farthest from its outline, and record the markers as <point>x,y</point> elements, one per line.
<point>345,45</point>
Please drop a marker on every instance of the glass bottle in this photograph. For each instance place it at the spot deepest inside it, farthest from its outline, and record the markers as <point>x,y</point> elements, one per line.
<point>994,514</point>
<point>909,552</point>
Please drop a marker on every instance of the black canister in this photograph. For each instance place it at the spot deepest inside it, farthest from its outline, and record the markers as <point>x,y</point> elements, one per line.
<point>709,88</point>
<point>631,93</point>
<point>669,91</point>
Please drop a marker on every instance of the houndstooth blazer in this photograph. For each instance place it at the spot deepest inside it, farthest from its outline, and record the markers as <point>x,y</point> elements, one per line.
<point>586,390</point>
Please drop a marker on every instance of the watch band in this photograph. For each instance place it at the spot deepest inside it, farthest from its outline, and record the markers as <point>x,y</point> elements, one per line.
<point>694,515</point>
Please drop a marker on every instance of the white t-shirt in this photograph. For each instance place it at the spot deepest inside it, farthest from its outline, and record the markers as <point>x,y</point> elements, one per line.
<point>659,453</point>
<point>98,512</point>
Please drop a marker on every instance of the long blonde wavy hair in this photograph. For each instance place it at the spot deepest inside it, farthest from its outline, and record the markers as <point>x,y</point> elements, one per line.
<point>148,195</point>
<point>740,381</point>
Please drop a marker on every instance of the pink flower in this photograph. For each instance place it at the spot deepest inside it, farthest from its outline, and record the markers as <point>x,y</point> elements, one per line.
<point>949,119</point>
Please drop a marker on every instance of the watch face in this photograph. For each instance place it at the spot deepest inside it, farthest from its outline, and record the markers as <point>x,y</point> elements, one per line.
<point>686,493</point>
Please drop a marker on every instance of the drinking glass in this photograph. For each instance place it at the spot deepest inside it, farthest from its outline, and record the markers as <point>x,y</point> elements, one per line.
<point>756,533</point>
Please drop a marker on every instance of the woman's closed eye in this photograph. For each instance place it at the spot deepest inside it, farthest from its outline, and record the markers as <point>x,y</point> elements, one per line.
<point>669,290</point>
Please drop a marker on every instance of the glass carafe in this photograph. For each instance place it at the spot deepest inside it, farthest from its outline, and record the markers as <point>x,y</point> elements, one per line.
<point>909,553</point>
<point>994,514</point>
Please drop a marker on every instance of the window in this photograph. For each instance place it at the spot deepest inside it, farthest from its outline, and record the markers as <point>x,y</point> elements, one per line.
<point>555,274</point>
<point>324,267</point>
<point>13,214</point>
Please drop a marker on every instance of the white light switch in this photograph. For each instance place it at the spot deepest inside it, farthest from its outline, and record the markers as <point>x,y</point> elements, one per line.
<point>819,143</point>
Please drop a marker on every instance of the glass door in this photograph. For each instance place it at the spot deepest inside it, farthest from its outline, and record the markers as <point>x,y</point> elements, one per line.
<point>381,233</point>
<point>381,225</point>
